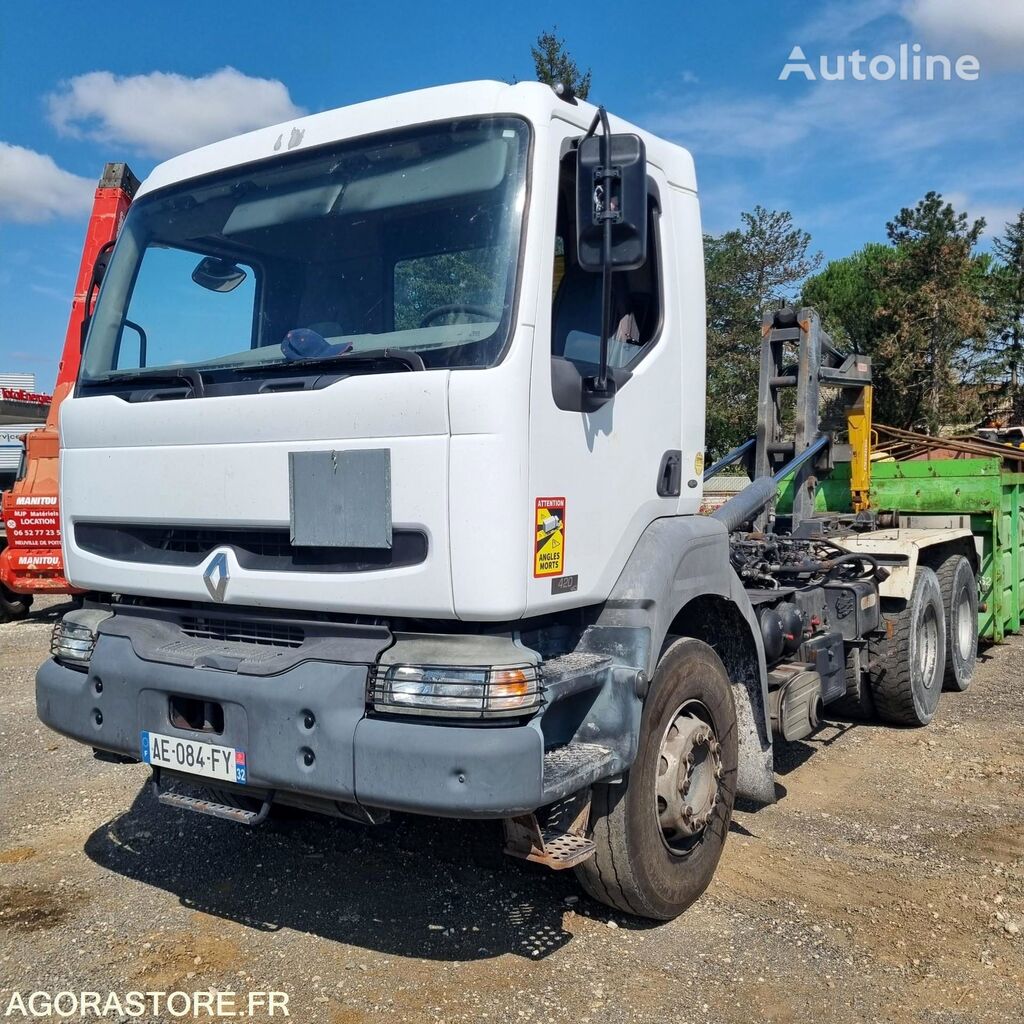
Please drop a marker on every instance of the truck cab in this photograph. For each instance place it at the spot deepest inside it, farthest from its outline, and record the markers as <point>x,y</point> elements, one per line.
<point>385,490</point>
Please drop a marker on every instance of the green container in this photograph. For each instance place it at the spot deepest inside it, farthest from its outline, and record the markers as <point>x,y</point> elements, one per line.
<point>991,496</point>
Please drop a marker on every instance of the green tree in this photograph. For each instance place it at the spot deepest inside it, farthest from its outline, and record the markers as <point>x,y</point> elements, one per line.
<point>456,279</point>
<point>935,318</point>
<point>1007,296</point>
<point>848,293</point>
<point>554,64</point>
<point>920,308</point>
<point>748,271</point>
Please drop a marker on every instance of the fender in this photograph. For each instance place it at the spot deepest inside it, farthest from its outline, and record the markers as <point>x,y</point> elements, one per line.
<point>678,581</point>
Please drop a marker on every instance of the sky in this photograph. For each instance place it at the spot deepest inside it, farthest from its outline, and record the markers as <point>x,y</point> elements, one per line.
<point>81,85</point>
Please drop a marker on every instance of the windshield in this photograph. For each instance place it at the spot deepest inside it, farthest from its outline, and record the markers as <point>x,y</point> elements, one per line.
<point>406,241</point>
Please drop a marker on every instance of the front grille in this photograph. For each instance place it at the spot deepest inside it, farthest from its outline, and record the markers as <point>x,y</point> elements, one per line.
<point>269,550</point>
<point>243,631</point>
<point>262,543</point>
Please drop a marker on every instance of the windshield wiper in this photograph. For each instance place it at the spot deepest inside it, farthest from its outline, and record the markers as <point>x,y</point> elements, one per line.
<point>188,374</point>
<point>409,359</point>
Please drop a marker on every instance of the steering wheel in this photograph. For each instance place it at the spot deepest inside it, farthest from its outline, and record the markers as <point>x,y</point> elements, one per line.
<point>459,307</point>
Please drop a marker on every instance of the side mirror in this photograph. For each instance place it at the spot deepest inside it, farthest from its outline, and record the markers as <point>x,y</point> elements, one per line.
<point>99,269</point>
<point>624,205</point>
<point>218,275</point>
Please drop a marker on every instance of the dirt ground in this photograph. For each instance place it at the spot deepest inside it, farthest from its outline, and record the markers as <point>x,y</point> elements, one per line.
<point>887,884</point>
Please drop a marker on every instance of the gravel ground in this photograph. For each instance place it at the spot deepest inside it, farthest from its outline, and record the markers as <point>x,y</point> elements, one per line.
<point>887,884</point>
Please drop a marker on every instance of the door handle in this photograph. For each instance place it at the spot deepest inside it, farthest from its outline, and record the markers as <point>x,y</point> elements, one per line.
<point>670,474</point>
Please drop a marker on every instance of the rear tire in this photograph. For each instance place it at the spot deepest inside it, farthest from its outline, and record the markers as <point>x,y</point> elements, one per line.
<point>960,604</point>
<point>650,860</point>
<point>13,606</point>
<point>910,660</point>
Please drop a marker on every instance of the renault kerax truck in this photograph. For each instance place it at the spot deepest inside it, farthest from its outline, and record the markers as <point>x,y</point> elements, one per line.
<point>383,470</point>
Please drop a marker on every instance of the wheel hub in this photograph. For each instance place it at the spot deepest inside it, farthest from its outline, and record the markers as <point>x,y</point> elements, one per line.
<point>928,647</point>
<point>965,628</point>
<point>689,772</point>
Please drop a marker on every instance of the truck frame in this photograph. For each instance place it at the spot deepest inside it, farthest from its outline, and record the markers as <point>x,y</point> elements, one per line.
<point>372,523</point>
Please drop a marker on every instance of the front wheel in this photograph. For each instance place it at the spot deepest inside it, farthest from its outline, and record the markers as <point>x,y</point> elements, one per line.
<point>13,606</point>
<point>660,833</point>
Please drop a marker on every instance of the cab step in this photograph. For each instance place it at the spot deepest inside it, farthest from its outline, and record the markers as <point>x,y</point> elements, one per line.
<point>211,808</point>
<point>571,767</point>
<point>559,841</point>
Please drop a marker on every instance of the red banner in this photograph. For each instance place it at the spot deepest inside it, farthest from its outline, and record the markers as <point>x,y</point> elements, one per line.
<point>32,522</point>
<point>18,395</point>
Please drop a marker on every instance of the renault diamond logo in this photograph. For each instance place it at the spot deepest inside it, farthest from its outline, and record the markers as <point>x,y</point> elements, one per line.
<point>216,576</point>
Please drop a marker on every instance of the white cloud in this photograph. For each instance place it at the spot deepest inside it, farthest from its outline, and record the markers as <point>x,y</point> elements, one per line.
<point>997,213</point>
<point>879,121</point>
<point>162,114</point>
<point>33,188</point>
<point>991,29</point>
<point>870,147</point>
<point>835,23</point>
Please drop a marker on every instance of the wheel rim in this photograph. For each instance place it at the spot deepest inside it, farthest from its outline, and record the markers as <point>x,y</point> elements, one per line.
<point>964,627</point>
<point>689,774</point>
<point>928,647</point>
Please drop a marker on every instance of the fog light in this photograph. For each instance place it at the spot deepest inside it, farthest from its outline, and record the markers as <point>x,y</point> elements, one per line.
<point>455,691</point>
<point>74,637</point>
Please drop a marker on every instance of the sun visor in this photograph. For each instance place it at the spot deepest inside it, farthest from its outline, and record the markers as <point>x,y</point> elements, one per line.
<point>282,209</point>
<point>473,169</point>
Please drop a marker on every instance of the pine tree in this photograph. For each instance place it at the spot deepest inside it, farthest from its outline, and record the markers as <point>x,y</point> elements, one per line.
<point>935,317</point>
<point>1008,299</point>
<point>748,272</point>
<point>848,295</point>
<point>554,64</point>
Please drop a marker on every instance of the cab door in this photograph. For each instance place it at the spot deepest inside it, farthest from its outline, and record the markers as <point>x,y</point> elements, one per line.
<point>598,478</point>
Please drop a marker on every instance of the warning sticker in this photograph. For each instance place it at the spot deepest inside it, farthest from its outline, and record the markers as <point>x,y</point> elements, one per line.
<point>549,549</point>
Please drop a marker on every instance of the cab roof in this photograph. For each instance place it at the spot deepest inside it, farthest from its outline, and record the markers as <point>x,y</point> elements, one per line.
<point>532,100</point>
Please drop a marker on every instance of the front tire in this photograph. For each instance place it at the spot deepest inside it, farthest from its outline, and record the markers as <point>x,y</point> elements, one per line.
<point>660,833</point>
<point>910,661</point>
<point>13,606</point>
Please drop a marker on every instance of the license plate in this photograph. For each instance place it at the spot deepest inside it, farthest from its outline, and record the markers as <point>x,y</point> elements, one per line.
<point>208,759</point>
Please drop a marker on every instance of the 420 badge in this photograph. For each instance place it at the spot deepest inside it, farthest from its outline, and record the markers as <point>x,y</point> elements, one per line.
<point>549,547</point>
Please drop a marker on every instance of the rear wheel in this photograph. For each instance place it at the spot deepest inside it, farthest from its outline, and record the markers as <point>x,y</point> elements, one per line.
<point>909,662</point>
<point>660,833</point>
<point>960,604</point>
<point>13,606</point>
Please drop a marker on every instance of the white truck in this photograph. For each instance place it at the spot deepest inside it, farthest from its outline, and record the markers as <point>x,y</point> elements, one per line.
<point>383,470</point>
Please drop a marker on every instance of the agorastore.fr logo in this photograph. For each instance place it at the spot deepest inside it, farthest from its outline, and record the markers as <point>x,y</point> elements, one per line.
<point>909,64</point>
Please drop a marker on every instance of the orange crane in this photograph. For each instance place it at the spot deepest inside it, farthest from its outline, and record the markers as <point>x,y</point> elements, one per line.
<point>30,556</point>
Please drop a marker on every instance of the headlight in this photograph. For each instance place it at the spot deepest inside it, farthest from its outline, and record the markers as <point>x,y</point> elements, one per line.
<point>74,637</point>
<point>455,692</point>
